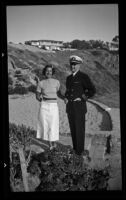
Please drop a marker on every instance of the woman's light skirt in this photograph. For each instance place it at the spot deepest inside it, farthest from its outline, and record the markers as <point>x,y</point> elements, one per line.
<point>48,121</point>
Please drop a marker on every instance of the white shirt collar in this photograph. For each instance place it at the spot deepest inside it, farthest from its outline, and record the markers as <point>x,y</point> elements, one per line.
<point>75,73</point>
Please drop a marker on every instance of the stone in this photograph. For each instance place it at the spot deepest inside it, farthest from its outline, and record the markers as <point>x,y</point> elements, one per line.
<point>115,183</point>
<point>37,149</point>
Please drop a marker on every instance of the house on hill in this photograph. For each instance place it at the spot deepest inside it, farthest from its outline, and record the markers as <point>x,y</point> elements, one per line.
<point>46,44</point>
<point>114,45</point>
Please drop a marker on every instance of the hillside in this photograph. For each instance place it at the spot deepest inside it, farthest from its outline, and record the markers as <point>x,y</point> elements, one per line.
<point>24,62</point>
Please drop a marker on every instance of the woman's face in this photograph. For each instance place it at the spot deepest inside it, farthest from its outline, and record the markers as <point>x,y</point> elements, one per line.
<point>48,72</point>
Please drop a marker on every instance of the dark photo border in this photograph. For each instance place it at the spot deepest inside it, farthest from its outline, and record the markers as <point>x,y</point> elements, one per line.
<point>5,116</point>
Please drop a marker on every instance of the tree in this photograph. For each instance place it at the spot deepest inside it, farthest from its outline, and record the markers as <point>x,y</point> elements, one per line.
<point>97,43</point>
<point>80,44</point>
<point>66,45</point>
<point>116,38</point>
<point>75,44</point>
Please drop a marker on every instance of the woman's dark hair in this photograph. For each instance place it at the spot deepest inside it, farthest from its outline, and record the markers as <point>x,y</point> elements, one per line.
<point>48,66</point>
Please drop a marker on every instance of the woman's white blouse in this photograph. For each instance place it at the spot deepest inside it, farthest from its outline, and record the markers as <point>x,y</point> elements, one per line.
<point>48,87</point>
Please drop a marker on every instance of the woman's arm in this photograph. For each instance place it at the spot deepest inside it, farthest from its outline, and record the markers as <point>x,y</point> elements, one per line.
<point>59,92</point>
<point>60,95</point>
<point>38,96</point>
<point>38,91</point>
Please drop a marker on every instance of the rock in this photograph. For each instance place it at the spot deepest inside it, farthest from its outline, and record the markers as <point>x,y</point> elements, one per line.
<point>37,149</point>
<point>115,183</point>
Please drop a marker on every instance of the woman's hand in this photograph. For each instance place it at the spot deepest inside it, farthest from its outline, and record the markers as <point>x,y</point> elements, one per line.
<point>36,79</point>
<point>40,99</point>
<point>38,96</point>
<point>65,100</point>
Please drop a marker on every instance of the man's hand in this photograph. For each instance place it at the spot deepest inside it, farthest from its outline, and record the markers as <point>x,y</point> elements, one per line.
<point>77,99</point>
<point>84,97</point>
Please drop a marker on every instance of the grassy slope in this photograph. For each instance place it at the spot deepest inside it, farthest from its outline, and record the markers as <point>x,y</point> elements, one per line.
<point>100,65</point>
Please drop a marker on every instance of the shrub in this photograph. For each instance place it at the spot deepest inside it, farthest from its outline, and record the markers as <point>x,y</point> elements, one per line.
<point>96,53</point>
<point>17,72</point>
<point>55,169</point>
<point>10,80</point>
<point>20,90</point>
<point>60,174</point>
<point>23,77</point>
<point>32,88</point>
<point>10,90</point>
<point>38,73</point>
<point>20,133</point>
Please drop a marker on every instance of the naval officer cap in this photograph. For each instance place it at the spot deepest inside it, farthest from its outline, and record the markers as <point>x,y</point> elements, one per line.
<point>75,59</point>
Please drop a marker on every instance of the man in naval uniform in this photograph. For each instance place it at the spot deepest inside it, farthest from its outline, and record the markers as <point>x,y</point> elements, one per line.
<point>78,89</point>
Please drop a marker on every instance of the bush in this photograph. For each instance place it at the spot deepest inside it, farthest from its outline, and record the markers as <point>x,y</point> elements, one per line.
<point>96,53</point>
<point>18,72</point>
<point>10,80</point>
<point>57,172</point>
<point>54,169</point>
<point>23,78</point>
<point>10,90</point>
<point>20,90</point>
<point>38,73</point>
<point>32,88</point>
<point>20,134</point>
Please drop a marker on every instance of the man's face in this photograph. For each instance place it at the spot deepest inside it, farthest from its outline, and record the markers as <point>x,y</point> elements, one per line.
<point>74,67</point>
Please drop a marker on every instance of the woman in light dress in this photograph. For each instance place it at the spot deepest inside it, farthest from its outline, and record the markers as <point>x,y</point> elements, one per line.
<point>48,116</point>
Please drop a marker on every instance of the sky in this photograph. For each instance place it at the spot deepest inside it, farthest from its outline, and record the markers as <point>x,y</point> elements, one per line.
<point>62,22</point>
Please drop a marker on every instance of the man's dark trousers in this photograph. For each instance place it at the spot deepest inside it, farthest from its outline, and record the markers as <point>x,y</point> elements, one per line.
<point>76,117</point>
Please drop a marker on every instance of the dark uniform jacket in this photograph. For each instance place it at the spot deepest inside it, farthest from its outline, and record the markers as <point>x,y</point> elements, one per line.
<point>78,85</point>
